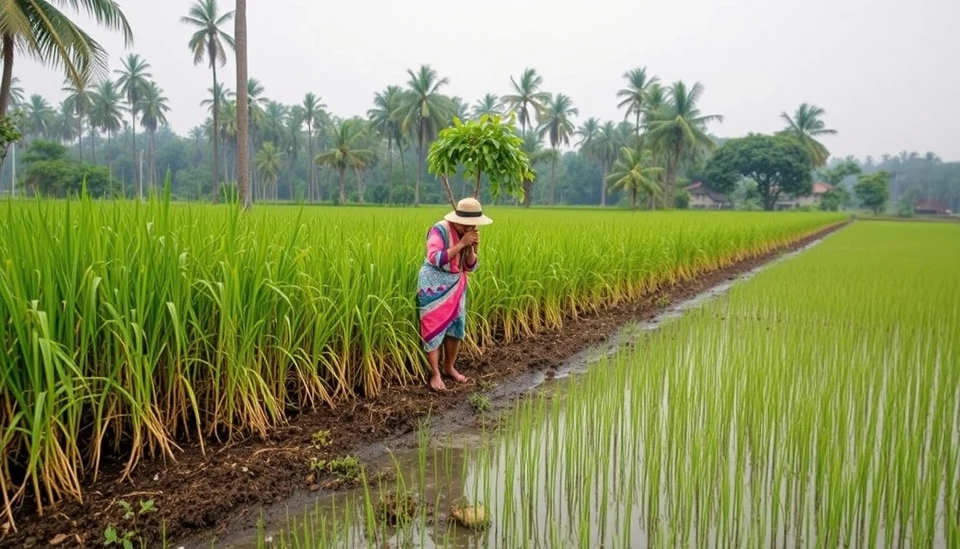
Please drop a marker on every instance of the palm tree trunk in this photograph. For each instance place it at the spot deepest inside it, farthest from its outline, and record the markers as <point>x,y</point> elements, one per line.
<point>359,174</point>
<point>634,199</point>
<point>389,168</point>
<point>8,49</point>
<point>109,158</point>
<point>216,135</point>
<point>136,172</point>
<point>243,110</point>
<point>343,190</point>
<point>80,133</point>
<point>311,164</point>
<point>403,166</point>
<point>153,159</point>
<point>553,181</point>
<point>416,192</point>
<point>603,184</point>
<point>93,146</point>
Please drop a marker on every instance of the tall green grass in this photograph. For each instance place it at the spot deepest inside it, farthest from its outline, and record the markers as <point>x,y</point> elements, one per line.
<point>130,327</point>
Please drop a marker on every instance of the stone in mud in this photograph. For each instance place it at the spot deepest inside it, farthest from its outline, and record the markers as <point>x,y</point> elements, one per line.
<point>471,516</point>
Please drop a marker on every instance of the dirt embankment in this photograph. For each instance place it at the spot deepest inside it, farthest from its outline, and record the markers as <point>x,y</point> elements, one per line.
<point>202,492</point>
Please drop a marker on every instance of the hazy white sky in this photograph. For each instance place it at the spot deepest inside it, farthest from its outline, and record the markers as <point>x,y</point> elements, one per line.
<point>886,71</point>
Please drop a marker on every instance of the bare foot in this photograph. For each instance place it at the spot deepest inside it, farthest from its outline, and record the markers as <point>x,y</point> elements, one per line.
<point>457,376</point>
<point>437,384</point>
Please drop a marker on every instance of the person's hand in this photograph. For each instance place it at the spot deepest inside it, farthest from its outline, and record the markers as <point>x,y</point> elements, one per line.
<point>469,239</point>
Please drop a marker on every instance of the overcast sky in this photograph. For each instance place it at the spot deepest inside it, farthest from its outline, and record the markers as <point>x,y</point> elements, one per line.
<point>886,71</point>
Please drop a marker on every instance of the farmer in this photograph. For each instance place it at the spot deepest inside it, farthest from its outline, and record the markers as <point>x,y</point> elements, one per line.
<point>442,287</point>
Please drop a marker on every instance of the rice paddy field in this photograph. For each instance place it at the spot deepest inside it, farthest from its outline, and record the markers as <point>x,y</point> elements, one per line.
<point>132,329</point>
<point>815,405</point>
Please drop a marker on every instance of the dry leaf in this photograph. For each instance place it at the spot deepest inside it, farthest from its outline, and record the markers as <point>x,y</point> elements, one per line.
<point>58,539</point>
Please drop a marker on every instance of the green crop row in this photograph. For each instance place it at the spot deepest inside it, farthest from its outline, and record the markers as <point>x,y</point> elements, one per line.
<point>129,327</point>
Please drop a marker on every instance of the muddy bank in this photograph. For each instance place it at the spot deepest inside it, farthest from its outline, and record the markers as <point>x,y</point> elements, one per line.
<point>205,493</point>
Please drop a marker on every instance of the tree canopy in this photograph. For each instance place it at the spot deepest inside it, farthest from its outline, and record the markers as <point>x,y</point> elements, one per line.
<point>488,147</point>
<point>873,190</point>
<point>778,164</point>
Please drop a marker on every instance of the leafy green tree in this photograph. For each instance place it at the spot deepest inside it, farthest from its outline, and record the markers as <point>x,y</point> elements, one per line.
<point>527,99</point>
<point>835,175</point>
<point>133,80</point>
<point>426,110</point>
<point>678,129</point>
<point>634,173</point>
<point>873,190</point>
<point>557,126</point>
<point>483,147</point>
<point>778,164</point>
<point>208,46</point>
<point>633,97</point>
<point>52,173</point>
<point>39,30</point>
<point>269,161</point>
<point>346,152</point>
<point>806,125</point>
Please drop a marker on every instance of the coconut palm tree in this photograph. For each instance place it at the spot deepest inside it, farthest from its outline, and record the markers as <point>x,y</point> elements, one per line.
<point>274,122</point>
<point>384,121</point>
<point>255,115</point>
<point>208,44</point>
<point>636,174</point>
<point>106,113</point>
<point>39,117</point>
<point>346,152</point>
<point>606,147</point>
<point>133,79</point>
<point>154,106</point>
<point>65,125</point>
<point>227,130</point>
<point>679,130</point>
<point>489,105</point>
<point>37,29</point>
<point>78,99</point>
<point>557,126</point>
<point>198,134</point>
<point>269,161</point>
<point>243,105</point>
<point>806,125</point>
<point>533,147</point>
<point>527,99</point>
<point>16,93</point>
<point>634,95</point>
<point>312,113</point>
<point>426,111</point>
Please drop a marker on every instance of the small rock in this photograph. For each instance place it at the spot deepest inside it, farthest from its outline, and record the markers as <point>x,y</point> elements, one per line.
<point>156,477</point>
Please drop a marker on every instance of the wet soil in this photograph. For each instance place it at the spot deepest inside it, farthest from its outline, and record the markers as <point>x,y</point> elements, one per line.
<point>202,495</point>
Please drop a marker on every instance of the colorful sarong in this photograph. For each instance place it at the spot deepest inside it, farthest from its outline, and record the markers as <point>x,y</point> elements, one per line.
<point>442,289</point>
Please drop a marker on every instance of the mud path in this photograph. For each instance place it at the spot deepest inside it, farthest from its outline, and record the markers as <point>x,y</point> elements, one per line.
<point>204,496</point>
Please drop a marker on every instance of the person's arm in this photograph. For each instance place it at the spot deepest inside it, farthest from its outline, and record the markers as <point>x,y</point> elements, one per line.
<point>471,257</point>
<point>438,254</point>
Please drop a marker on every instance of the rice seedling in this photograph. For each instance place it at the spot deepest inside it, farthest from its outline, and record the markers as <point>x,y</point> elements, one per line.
<point>129,328</point>
<point>817,405</point>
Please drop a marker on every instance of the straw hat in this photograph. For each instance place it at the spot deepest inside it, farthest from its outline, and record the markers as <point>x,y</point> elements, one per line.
<point>468,212</point>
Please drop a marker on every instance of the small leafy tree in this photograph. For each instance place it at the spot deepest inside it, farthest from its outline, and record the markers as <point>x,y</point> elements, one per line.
<point>483,147</point>
<point>873,190</point>
<point>778,164</point>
